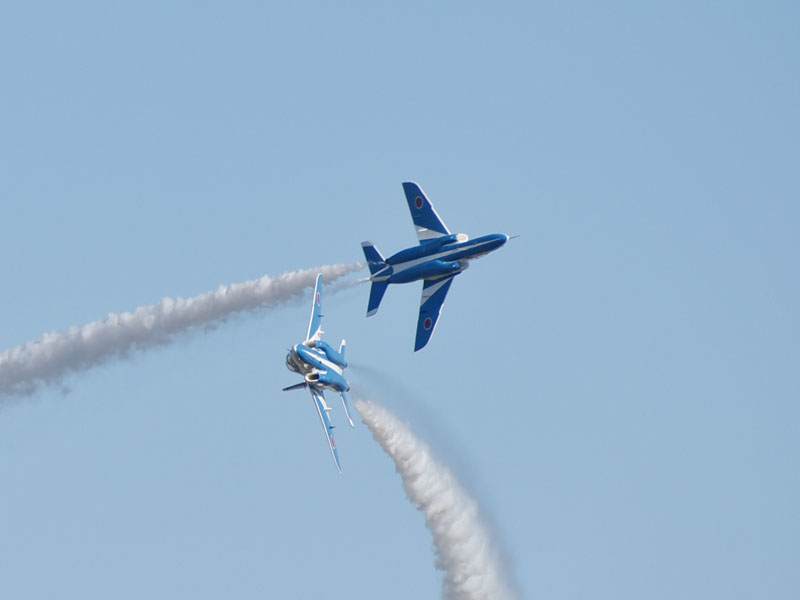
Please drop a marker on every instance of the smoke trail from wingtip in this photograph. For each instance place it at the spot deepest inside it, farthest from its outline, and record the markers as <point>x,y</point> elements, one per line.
<point>472,568</point>
<point>55,354</point>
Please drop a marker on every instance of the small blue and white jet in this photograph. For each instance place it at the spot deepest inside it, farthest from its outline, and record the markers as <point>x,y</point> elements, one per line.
<point>321,367</point>
<point>440,256</point>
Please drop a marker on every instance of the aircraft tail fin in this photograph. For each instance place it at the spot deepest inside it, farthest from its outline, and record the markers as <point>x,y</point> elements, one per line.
<point>375,260</point>
<point>346,404</point>
<point>376,293</point>
<point>342,347</point>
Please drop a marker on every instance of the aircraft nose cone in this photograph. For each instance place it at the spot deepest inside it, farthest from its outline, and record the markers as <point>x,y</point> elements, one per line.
<point>500,239</point>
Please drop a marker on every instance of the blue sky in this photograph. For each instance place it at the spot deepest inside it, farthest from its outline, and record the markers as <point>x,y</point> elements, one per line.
<point>617,387</point>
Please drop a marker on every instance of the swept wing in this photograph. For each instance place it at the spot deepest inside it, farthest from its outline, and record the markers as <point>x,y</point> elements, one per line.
<point>427,222</point>
<point>322,410</point>
<point>315,323</point>
<point>434,292</point>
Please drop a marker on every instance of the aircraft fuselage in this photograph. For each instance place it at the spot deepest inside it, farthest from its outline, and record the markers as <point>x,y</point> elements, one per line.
<point>320,364</point>
<point>437,258</point>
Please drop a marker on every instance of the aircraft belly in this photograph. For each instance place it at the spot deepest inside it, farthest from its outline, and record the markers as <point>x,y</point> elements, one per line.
<point>429,270</point>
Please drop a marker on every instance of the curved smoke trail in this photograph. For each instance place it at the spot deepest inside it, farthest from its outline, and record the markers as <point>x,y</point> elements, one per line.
<point>473,570</point>
<point>55,354</point>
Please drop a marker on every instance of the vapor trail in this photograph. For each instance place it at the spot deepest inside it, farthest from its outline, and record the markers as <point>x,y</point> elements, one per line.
<point>56,354</point>
<point>464,552</point>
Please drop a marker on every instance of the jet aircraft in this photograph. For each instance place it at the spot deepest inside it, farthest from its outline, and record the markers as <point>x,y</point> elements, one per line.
<point>438,258</point>
<point>321,367</point>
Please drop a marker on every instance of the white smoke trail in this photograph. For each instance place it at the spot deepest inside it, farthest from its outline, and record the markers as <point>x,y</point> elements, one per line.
<point>346,285</point>
<point>473,569</point>
<point>55,354</point>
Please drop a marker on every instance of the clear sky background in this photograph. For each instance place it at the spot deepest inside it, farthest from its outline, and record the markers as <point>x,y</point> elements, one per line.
<point>618,387</point>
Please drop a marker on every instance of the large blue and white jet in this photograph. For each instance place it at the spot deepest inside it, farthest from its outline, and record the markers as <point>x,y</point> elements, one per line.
<point>438,258</point>
<point>321,367</point>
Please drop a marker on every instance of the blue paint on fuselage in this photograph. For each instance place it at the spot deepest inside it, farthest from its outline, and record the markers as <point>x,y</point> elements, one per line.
<point>332,355</point>
<point>443,258</point>
<point>431,269</point>
<point>425,249</point>
<point>322,375</point>
<point>332,380</point>
<point>476,247</point>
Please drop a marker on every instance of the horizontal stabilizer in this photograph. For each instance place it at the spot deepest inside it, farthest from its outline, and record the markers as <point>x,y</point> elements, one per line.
<point>376,293</point>
<point>298,386</point>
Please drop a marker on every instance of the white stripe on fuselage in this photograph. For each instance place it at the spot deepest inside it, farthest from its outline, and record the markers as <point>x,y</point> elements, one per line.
<point>321,357</point>
<point>400,267</point>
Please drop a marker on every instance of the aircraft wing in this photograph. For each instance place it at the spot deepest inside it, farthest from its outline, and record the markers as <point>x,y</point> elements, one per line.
<point>322,410</point>
<point>434,292</point>
<point>315,323</point>
<point>428,224</point>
